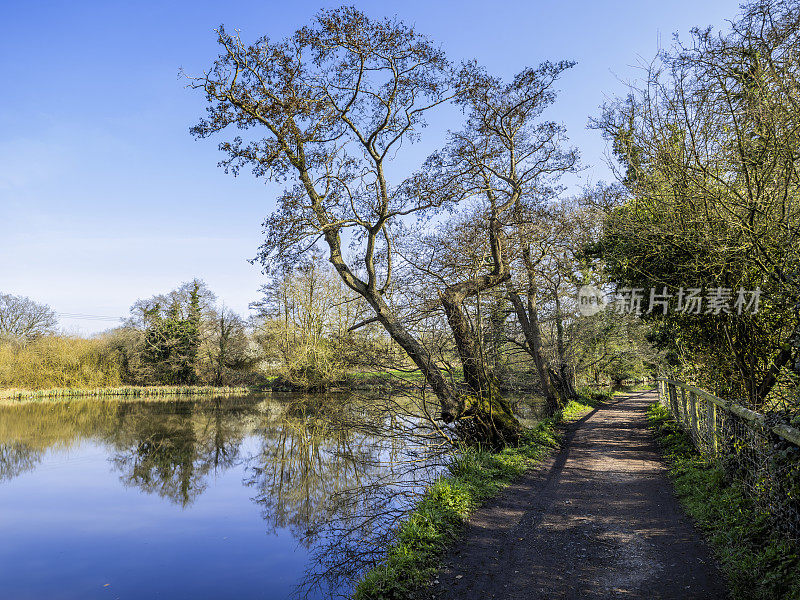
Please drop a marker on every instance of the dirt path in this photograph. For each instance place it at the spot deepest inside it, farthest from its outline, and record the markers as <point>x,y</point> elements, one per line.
<point>598,520</point>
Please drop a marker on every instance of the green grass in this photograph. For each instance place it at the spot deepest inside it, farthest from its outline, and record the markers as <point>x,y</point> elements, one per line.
<point>127,391</point>
<point>383,379</point>
<point>473,477</point>
<point>388,373</point>
<point>758,562</point>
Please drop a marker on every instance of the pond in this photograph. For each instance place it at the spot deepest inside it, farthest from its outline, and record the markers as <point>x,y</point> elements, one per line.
<point>202,498</point>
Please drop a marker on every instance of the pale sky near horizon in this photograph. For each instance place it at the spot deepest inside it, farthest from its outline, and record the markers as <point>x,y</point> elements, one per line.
<point>106,198</point>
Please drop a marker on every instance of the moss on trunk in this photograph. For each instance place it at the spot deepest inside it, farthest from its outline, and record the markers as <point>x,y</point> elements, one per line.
<point>488,420</point>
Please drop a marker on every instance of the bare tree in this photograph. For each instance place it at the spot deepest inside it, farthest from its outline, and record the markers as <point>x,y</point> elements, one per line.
<point>335,102</point>
<point>23,319</point>
<point>227,347</point>
<point>550,267</point>
<point>507,160</point>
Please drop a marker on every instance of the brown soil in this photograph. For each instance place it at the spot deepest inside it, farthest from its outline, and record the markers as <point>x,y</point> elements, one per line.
<point>597,520</point>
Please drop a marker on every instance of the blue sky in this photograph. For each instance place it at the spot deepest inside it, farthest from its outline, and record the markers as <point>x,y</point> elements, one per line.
<point>106,198</point>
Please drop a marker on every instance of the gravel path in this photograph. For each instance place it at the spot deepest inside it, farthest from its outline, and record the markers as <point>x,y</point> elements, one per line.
<point>597,520</point>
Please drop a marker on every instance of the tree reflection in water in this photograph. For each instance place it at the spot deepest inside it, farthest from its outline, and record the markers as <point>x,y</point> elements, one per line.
<point>17,458</point>
<point>305,461</point>
<point>348,476</point>
<point>173,452</point>
<point>337,470</point>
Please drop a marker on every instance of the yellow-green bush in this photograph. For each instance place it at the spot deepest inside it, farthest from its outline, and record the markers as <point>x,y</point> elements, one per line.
<point>312,365</point>
<point>59,362</point>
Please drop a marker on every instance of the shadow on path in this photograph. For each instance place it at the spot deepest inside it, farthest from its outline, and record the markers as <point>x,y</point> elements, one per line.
<point>597,520</point>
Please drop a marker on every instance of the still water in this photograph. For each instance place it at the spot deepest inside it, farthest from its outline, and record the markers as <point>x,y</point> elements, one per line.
<point>208,498</point>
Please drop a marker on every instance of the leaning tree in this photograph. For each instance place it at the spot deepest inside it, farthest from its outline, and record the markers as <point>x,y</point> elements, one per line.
<point>506,162</point>
<point>329,109</point>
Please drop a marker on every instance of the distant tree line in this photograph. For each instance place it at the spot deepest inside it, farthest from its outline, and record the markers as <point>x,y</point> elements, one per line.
<point>182,337</point>
<point>177,338</point>
<point>309,331</point>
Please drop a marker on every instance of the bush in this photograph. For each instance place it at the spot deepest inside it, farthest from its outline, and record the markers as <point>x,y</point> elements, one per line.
<point>59,362</point>
<point>312,366</point>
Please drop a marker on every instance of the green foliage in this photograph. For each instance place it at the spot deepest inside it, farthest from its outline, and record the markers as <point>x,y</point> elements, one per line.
<point>593,397</point>
<point>310,366</point>
<point>183,338</point>
<point>303,328</point>
<point>759,563</point>
<point>171,340</point>
<point>709,199</point>
<point>474,475</point>
<point>613,348</point>
<point>228,357</point>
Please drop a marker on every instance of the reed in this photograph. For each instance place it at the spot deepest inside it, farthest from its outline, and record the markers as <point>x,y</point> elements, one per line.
<point>124,391</point>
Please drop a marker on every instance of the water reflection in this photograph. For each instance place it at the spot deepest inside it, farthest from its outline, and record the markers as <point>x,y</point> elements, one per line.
<point>173,455</point>
<point>300,467</point>
<point>17,458</point>
<point>312,467</point>
<point>166,448</point>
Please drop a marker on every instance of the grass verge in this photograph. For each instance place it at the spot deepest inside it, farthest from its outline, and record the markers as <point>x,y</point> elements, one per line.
<point>474,476</point>
<point>758,562</point>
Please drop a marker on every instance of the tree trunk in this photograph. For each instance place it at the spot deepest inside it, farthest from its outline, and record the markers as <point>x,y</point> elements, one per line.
<point>481,416</point>
<point>567,391</point>
<point>529,321</point>
<point>451,403</point>
<point>475,375</point>
<point>487,417</point>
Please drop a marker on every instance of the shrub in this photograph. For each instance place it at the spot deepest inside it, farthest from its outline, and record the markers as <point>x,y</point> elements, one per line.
<point>59,362</point>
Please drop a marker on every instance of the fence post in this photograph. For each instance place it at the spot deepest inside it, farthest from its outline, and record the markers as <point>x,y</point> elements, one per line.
<point>711,425</point>
<point>673,401</point>
<point>693,406</point>
<point>684,408</point>
<point>670,400</point>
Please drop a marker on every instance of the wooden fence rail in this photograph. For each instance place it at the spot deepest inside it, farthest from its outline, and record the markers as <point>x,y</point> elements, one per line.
<point>760,452</point>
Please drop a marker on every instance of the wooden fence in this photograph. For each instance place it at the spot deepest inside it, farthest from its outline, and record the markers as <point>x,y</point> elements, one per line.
<point>759,450</point>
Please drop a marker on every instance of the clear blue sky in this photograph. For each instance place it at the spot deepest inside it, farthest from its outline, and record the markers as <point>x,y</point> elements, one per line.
<point>106,198</point>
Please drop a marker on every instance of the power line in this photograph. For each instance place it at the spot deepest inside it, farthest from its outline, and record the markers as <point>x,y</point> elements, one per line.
<point>87,317</point>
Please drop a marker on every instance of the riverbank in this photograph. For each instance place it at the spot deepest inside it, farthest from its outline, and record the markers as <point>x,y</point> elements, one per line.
<point>15,395</point>
<point>363,382</point>
<point>474,477</point>
<point>757,561</point>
